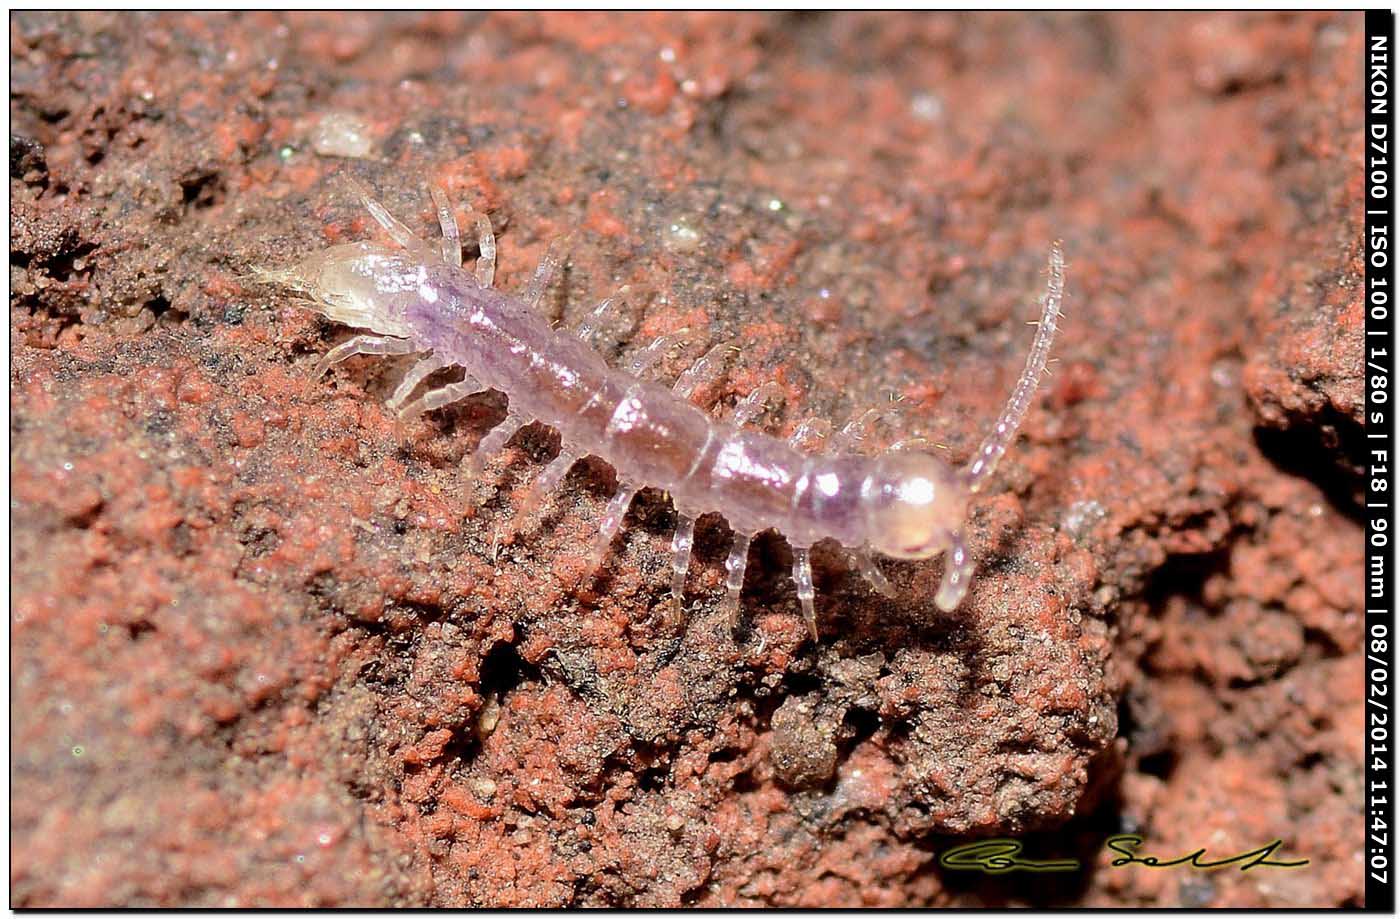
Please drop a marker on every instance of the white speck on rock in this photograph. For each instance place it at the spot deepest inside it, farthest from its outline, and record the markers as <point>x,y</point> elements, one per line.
<point>1082,515</point>
<point>342,134</point>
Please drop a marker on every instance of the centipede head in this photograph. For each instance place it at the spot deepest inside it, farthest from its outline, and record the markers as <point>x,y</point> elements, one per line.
<point>357,284</point>
<point>914,504</point>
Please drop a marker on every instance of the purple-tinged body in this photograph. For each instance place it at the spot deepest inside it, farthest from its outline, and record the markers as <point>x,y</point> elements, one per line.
<point>642,429</point>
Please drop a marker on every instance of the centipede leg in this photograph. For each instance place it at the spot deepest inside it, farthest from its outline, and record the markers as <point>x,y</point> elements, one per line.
<point>437,398</point>
<point>554,256</point>
<point>545,483</point>
<point>957,575</point>
<point>592,325</point>
<point>396,230</point>
<point>703,372</point>
<point>734,567</point>
<point>806,593</point>
<point>612,522</point>
<point>647,357</point>
<point>870,570</point>
<point>756,403</point>
<point>485,248</point>
<point>810,432</point>
<point>362,344</point>
<point>611,319</point>
<point>451,233</point>
<point>416,375</point>
<point>747,409</point>
<point>912,443</point>
<point>851,437</point>
<point>682,541</point>
<point>491,444</point>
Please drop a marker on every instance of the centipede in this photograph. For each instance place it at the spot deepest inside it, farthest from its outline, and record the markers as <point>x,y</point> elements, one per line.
<point>417,298</point>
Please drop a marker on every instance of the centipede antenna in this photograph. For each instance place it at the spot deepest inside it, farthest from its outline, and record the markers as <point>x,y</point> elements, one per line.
<point>980,470</point>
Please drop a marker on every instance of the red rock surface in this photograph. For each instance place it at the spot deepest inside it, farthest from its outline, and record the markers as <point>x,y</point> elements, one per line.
<point>267,649</point>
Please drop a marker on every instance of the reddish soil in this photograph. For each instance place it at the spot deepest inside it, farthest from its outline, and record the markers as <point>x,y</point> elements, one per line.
<point>268,649</point>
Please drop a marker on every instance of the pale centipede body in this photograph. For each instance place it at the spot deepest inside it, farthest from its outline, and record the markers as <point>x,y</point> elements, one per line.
<point>415,299</point>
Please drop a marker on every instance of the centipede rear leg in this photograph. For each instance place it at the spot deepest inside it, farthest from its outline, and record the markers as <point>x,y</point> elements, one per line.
<point>756,403</point>
<point>734,567</point>
<point>957,575</point>
<point>682,542</point>
<point>611,522</point>
<point>703,372</point>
